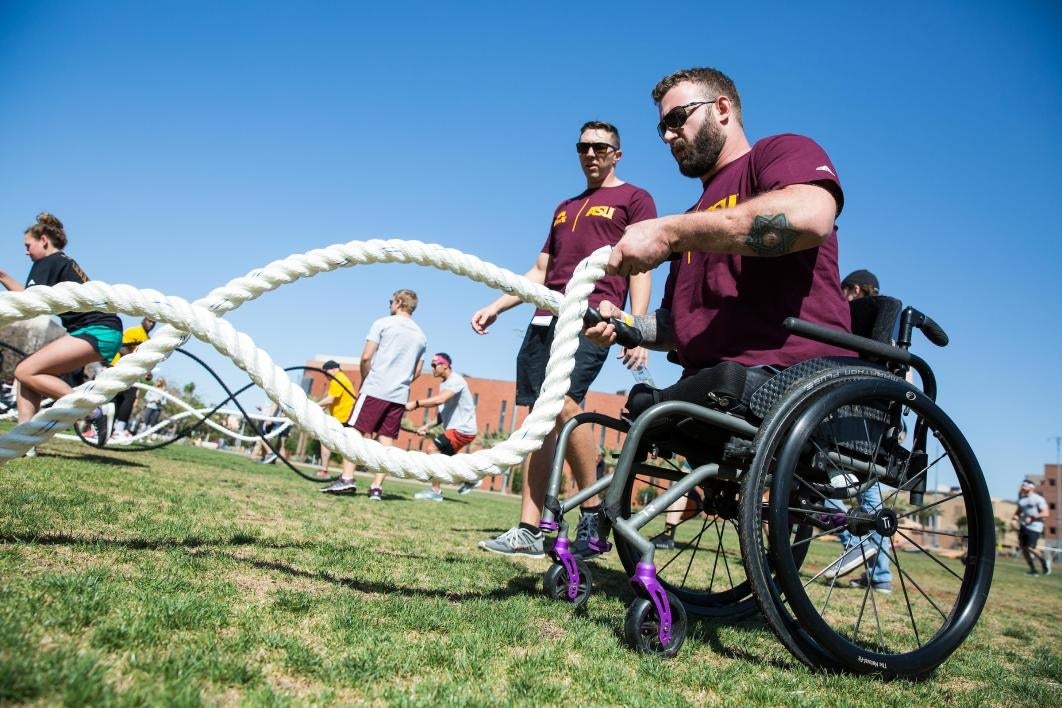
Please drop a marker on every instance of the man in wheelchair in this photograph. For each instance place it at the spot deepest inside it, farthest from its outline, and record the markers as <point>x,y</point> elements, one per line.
<point>759,246</point>
<point>786,420</point>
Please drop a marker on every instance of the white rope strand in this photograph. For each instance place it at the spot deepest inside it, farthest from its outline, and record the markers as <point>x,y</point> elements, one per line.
<point>202,319</point>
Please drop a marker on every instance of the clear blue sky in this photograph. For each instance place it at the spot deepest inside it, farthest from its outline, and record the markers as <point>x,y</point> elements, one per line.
<point>184,144</point>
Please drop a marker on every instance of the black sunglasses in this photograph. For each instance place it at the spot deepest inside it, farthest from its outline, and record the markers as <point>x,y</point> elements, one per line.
<point>598,148</point>
<point>677,117</point>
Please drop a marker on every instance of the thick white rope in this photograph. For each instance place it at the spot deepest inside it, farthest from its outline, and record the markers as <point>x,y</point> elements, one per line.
<point>202,319</point>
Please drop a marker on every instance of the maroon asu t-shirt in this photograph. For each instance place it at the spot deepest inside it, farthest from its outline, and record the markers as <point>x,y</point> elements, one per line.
<point>585,223</point>
<point>731,308</point>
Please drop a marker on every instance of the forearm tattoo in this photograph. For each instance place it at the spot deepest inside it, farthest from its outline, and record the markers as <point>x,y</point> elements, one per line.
<point>771,236</point>
<point>656,330</point>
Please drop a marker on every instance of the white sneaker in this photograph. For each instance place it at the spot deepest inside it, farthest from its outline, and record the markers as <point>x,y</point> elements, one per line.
<point>516,542</point>
<point>429,494</point>
<point>857,555</point>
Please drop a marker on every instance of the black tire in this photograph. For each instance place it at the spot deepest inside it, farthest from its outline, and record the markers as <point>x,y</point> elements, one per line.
<point>555,583</point>
<point>642,625</point>
<point>754,516</point>
<point>704,569</point>
<point>856,428</point>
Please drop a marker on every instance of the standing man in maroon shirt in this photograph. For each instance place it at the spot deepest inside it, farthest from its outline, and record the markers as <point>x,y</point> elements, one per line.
<point>759,246</point>
<point>596,217</point>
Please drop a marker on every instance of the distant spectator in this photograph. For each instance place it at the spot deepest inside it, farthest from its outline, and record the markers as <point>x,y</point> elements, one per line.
<point>92,336</point>
<point>457,416</point>
<point>132,338</point>
<point>860,283</point>
<point>392,358</point>
<point>339,402</point>
<point>872,550</point>
<point>153,401</point>
<point>1030,515</point>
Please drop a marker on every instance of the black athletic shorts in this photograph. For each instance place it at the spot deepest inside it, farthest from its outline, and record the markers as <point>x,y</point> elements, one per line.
<point>531,365</point>
<point>1027,538</point>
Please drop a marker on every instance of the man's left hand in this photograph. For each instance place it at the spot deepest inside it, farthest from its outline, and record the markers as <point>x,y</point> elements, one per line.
<point>634,358</point>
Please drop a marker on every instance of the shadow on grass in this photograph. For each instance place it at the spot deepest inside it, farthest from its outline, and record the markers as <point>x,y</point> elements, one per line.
<point>96,459</point>
<point>190,542</point>
<point>215,547</point>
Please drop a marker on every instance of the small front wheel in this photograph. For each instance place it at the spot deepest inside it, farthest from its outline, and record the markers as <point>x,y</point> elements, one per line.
<point>642,627</point>
<point>555,582</point>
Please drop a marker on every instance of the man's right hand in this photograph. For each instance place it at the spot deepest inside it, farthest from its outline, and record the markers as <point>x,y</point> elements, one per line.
<point>484,318</point>
<point>644,246</point>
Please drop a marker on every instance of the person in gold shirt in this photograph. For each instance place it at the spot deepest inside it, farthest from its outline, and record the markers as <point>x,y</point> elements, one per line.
<point>339,401</point>
<point>132,338</point>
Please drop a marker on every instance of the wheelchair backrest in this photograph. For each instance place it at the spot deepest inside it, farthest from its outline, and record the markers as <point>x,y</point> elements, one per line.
<point>876,317</point>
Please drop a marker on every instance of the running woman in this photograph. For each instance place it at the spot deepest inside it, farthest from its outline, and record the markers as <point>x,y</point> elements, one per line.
<point>91,336</point>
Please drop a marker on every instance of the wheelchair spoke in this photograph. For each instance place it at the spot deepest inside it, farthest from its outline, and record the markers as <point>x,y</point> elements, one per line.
<point>719,553</point>
<point>690,548</point>
<point>932,556</point>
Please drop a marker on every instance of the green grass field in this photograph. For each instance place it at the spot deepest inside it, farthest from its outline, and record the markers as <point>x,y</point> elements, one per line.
<point>187,576</point>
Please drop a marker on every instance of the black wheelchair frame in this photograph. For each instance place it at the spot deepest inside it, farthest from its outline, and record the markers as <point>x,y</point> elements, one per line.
<point>824,435</point>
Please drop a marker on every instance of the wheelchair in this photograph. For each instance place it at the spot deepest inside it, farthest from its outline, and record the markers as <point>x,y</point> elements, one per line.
<point>778,463</point>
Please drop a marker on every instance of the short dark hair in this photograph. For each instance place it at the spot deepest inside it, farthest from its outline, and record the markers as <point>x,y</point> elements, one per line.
<point>601,125</point>
<point>445,357</point>
<point>714,80</point>
<point>330,364</point>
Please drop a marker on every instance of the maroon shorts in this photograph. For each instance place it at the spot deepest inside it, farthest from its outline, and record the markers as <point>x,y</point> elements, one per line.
<point>372,415</point>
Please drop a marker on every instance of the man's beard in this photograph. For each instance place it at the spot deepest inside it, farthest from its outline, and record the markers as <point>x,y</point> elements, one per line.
<point>702,154</point>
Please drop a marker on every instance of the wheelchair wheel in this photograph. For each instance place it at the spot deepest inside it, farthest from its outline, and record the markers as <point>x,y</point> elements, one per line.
<point>755,518</point>
<point>700,562</point>
<point>641,628</point>
<point>555,582</point>
<point>854,436</point>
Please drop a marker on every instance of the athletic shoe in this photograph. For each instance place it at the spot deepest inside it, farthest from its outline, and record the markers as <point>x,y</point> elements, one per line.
<point>1046,563</point>
<point>121,436</point>
<point>102,422</point>
<point>429,494</point>
<point>375,494</point>
<point>854,557</point>
<point>516,542</point>
<point>1030,571</point>
<point>585,532</point>
<point>32,452</point>
<point>342,486</point>
<point>467,487</point>
<point>861,583</point>
<point>663,541</point>
<point>269,459</point>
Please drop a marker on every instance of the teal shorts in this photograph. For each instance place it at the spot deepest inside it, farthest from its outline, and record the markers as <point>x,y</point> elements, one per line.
<point>105,340</point>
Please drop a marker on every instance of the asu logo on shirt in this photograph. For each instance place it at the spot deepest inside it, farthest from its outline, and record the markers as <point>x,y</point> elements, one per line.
<point>724,203</point>
<point>605,211</point>
<point>560,218</point>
